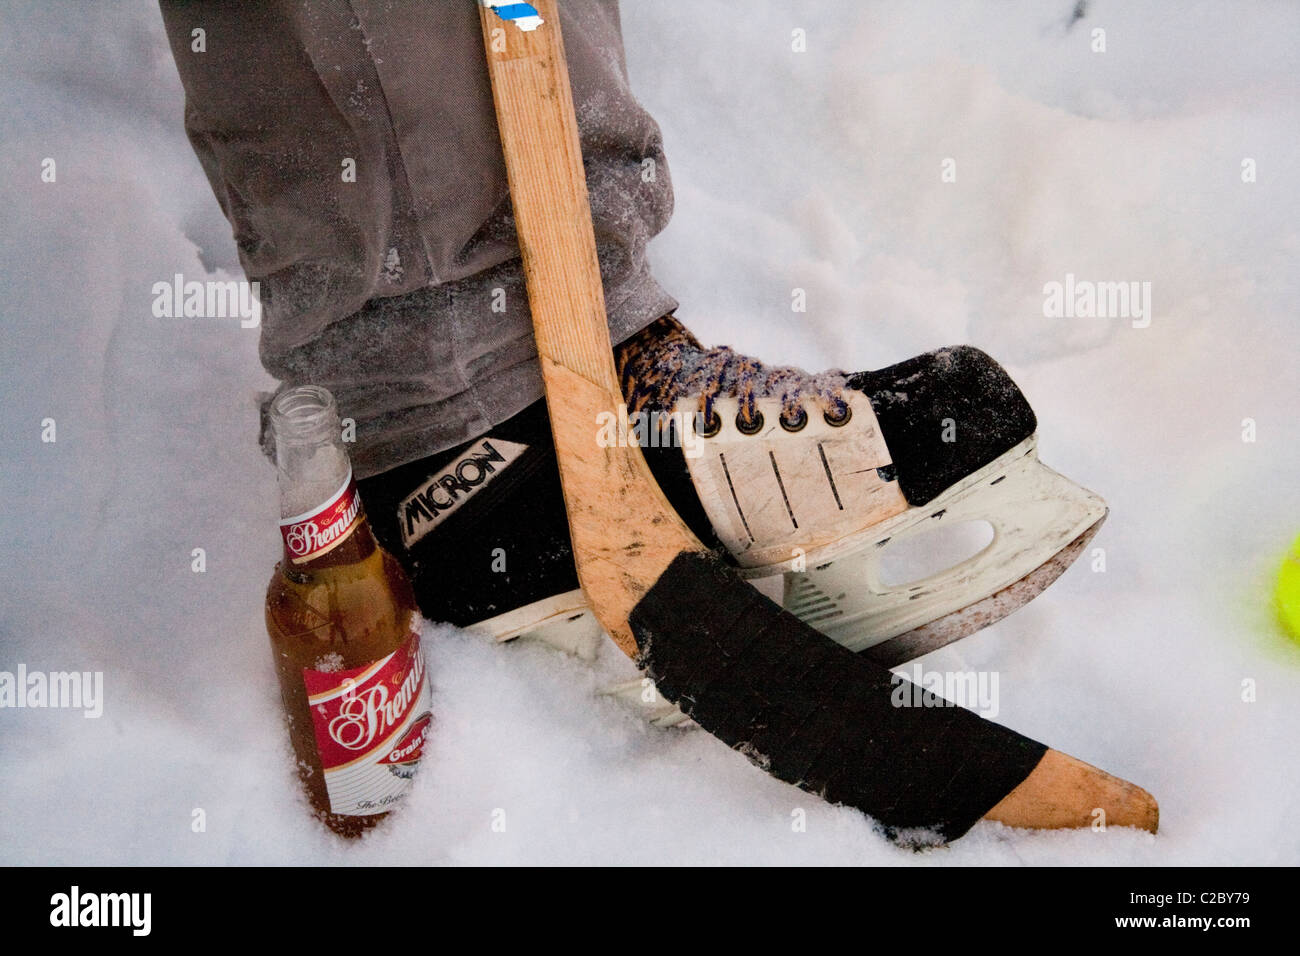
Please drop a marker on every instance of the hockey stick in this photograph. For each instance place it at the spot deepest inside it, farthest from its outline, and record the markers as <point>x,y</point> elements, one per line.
<point>801,706</point>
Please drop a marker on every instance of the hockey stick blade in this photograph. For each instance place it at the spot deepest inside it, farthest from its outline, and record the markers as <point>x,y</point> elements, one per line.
<point>796,703</point>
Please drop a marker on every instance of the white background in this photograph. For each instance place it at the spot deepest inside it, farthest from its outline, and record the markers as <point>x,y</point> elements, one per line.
<point>818,170</point>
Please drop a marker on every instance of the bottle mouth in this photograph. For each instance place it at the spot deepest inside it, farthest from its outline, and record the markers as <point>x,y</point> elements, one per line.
<point>304,413</point>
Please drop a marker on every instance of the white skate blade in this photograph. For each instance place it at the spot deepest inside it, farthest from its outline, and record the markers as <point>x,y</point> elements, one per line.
<point>642,696</point>
<point>1040,520</point>
<point>563,621</point>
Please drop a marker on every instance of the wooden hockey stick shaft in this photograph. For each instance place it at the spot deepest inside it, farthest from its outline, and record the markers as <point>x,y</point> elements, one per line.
<point>627,539</point>
<point>624,531</point>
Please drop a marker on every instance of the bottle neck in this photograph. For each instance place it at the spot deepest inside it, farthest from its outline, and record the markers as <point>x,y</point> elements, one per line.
<point>332,532</point>
<point>322,522</point>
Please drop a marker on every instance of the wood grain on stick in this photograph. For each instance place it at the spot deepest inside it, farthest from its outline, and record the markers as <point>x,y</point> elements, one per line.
<point>612,499</point>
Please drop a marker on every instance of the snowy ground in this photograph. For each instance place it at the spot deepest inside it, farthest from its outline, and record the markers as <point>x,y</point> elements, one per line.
<point>819,170</point>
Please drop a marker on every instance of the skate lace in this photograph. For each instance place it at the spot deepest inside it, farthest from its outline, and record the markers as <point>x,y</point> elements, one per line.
<point>675,365</point>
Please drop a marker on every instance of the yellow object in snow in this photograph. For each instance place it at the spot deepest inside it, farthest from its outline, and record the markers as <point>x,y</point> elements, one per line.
<point>1288,591</point>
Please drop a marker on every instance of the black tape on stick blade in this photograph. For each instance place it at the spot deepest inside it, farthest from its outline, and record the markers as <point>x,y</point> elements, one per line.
<point>815,714</point>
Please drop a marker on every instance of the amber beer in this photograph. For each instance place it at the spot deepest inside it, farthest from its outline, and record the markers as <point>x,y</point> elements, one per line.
<point>341,618</point>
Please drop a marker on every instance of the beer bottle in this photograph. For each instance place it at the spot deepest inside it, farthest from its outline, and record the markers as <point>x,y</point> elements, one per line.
<point>341,617</point>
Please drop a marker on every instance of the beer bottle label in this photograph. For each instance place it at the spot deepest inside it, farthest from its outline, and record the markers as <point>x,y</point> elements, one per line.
<point>312,533</point>
<point>371,723</point>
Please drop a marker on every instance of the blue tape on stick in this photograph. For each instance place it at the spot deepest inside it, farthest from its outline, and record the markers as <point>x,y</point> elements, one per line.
<point>523,15</point>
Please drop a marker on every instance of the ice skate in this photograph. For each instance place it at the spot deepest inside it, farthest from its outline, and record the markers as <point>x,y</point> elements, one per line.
<point>812,476</point>
<point>908,452</point>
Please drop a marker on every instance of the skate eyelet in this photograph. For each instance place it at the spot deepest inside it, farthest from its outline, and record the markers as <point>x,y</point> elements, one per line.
<point>795,424</point>
<point>837,421</point>
<point>749,429</point>
<point>710,425</point>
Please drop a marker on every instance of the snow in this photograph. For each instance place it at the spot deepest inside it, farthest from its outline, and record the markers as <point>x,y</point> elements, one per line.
<point>818,170</point>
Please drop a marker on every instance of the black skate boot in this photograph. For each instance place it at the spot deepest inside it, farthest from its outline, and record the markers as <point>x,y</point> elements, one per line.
<point>812,477</point>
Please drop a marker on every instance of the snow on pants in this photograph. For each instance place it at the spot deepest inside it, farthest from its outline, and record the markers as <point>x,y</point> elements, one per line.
<point>352,145</point>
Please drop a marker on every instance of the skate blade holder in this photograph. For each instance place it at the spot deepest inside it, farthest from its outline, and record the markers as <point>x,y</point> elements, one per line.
<point>1040,521</point>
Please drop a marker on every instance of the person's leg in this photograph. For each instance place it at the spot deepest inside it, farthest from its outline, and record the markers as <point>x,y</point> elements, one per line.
<point>353,146</point>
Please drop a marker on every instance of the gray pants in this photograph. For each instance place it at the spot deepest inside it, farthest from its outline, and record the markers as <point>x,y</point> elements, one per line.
<point>352,144</point>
